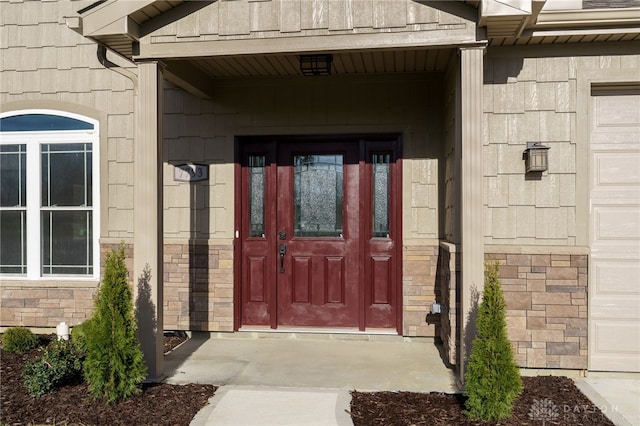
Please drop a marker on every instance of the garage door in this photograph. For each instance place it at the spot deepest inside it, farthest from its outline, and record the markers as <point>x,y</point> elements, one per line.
<point>614,289</point>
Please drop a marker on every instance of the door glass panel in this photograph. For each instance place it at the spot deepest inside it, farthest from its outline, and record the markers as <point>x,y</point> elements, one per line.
<point>256,195</point>
<point>318,195</point>
<point>380,180</point>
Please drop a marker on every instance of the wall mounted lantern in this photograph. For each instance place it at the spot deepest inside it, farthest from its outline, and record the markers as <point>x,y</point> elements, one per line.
<point>315,64</point>
<point>536,157</point>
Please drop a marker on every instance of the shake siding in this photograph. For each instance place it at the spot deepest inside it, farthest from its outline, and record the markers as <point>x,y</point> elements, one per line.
<point>225,20</point>
<point>528,100</point>
<point>45,65</point>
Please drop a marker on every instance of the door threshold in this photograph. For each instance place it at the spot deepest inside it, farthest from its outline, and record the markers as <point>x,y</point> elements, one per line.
<point>337,333</point>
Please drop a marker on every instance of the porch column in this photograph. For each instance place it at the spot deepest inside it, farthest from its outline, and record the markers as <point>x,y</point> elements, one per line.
<point>471,196</point>
<point>147,217</point>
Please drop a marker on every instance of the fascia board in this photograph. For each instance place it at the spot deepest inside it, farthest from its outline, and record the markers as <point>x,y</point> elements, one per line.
<point>97,19</point>
<point>590,17</point>
<point>287,45</point>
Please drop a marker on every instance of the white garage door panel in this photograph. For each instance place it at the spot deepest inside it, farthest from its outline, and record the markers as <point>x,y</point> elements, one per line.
<point>619,354</point>
<point>606,332</point>
<point>616,111</point>
<point>617,223</point>
<point>614,268</point>
<point>617,277</point>
<point>617,169</point>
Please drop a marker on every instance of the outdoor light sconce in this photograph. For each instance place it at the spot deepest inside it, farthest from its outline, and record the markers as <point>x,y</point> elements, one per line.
<point>536,157</point>
<point>315,64</point>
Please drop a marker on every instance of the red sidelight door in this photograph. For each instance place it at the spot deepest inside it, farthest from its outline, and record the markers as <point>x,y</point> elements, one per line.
<point>318,233</point>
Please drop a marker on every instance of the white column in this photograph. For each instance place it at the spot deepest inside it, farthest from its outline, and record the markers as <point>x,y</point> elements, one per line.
<point>471,195</point>
<point>147,217</point>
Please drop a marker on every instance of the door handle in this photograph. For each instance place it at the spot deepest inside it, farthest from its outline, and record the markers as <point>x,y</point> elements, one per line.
<point>283,251</point>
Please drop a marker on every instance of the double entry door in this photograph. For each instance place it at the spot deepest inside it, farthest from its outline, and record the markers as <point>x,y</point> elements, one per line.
<point>319,232</point>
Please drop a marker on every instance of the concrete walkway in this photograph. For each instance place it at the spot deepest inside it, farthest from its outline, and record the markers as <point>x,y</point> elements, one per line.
<point>305,379</point>
<point>301,379</point>
<point>617,397</point>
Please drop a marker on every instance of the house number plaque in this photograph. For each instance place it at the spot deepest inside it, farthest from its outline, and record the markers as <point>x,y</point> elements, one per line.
<point>190,172</point>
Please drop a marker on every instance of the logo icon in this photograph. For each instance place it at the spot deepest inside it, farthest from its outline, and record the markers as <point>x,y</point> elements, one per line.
<point>543,409</point>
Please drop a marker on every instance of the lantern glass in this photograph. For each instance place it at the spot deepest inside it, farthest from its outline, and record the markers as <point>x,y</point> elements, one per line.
<point>537,159</point>
<point>315,64</point>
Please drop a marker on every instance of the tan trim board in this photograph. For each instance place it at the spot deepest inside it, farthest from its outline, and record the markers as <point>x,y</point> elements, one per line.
<point>588,17</point>
<point>506,249</point>
<point>450,38</point>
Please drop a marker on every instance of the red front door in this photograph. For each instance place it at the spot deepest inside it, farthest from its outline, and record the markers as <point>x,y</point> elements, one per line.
<point>318,239</point>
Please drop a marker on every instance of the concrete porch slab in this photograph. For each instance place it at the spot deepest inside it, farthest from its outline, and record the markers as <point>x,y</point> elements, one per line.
<point>318,361</point>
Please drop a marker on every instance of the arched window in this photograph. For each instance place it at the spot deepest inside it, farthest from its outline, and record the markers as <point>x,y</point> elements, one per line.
<point>48,195</point>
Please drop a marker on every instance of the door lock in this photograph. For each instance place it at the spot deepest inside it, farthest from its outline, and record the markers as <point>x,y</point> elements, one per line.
<point>283,251</point>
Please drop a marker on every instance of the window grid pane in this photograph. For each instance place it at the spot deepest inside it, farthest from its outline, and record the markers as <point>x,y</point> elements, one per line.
<point>256,195</point>
<point>13,213</point>
<point>67,242</point>
<point>318,195</point>
<point>66,175</point>
<point>13,242</point>
<point>380,180</point>
<point>13,175</point>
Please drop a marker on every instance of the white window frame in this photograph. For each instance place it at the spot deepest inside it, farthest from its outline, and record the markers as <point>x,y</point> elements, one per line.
<point>33,141</point>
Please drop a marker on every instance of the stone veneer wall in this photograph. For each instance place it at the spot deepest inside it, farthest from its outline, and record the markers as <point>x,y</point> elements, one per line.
<point>546,296</point>
<point>419,289</point>
<point>46,304</point>
<point>198,287</point>
<point>447,278</point>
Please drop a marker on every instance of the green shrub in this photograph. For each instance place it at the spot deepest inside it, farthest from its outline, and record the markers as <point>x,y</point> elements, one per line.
<point>114,368</point>
<point>79,336</point>
<point>58,363</point>
<point>492,378</point>
<point>19,340</point>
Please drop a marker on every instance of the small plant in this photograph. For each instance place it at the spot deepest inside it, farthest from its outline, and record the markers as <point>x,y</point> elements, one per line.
<point>58,363</point>
<point>492,378</point>
<point>19,340</point>
<point>79,336</point>
<point>114,369</point>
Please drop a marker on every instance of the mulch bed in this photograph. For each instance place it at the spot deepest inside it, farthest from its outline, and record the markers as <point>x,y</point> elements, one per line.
<point>157,404</point>
<point>547,400</point>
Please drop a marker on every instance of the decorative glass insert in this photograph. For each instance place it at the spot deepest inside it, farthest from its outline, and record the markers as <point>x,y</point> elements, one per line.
<point>318,195</point>
<point>13,209</point>
<point>256,195</point>
<point>41,123</point>
<point>380,180</point>
<point>66,209</point>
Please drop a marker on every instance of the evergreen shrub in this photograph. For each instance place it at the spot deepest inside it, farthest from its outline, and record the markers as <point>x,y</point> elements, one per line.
<point>58,364</point>
<point>79,336</point>
<point>492,377</point>
<point>114,368</point>
<point>19,340</point>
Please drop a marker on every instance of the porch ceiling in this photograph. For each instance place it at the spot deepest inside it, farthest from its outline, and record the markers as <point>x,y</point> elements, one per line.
<point>362,62</point>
